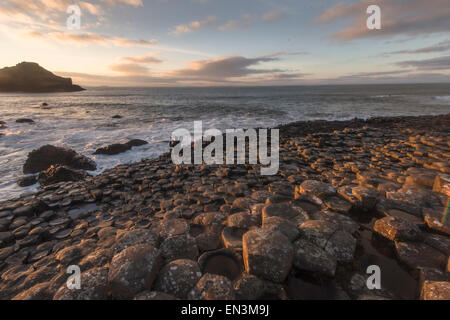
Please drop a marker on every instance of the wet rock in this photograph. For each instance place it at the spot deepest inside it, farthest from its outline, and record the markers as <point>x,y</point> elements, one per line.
<point>319,189</point>
<point>267,254</point>
<point>397,229</point>
<point>133,270</point>
<point>178,277</point>
<point>113,149</point>
<point>136,143</point>
<point>94,286</point>
<point>27,181</point>
<point>24,120</point>
<point>310,257</point>
<point>212,287</point>
<point>42,158</point>
<point>419,255</point>
<point>249,287</point>
<point>179,247</point>
<point>58,173</point>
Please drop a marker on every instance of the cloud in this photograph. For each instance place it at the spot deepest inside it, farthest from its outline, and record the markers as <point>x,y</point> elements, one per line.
<point>129,68</point>
<point>134,3</point>
<point>147,59</point>
<point>225,67</point>
<point>193,26</point>
<point>439,47</point>
<point>90,38</point>
<point>440,63</point>
<point>410,17</point>
<point>273,16</point>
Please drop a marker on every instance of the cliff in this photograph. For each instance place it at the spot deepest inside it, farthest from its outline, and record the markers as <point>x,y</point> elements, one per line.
<point>31,77</point>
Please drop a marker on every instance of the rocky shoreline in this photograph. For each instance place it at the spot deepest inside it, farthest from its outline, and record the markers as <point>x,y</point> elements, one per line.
<point>348,195</point>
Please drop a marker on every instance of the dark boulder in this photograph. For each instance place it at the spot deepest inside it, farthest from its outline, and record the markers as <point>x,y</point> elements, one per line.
<point>23,120</point>
<point>48,155</point>
<point>113,149</point>
<point>117,148</point>
<point>117,116</point>
<point>27,181</point>
<point>59,173</point>
<point>136,143</point>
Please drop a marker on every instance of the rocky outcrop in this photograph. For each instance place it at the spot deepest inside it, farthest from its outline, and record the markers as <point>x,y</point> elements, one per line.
<point>59,173</point>
<point>117,148</point>
<point>30,77</point>
<point>42,158</point>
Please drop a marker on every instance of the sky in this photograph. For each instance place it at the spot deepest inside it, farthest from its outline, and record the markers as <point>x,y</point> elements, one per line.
<point>230,42</point>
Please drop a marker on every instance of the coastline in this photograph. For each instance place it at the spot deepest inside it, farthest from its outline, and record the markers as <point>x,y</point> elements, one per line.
<point>380,180</point>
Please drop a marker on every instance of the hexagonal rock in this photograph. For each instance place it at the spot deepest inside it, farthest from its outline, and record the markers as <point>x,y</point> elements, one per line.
<point>37,292</point>
<point>133,270</point>
<point>267,254</point>
<point>342,221</point>
<point>415,255</point>
<point>232,237</point>
<point>94,286</point>
<point>318,231</point>
<point>440,243</point>
<point>330,237</point>
<point>317,188</point>
<point>310,257</point>
<point>154,295</point>
<point>96,259</point>
<point>337,204</point>
<point>397,229</point>
<point>366,196</point>
<point>284,226</point>
<point>436,290</point>
<point>285,211</point>
<point>241,220</point>
<point>179,247</point>
<point>342,245</point>
<point>178,277</point>
<point>442,184</point>
<point>437,220</point>
<point>173,227</point>
<point>134,237</point>
<point>210,218</point>
<point>249,287</point>
<point>212,287</point>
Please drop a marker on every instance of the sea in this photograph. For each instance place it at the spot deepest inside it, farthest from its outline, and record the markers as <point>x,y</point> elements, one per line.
<point>83,121</point>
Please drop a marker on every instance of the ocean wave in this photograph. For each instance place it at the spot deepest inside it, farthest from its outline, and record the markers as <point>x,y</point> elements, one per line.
<point>443,98</point>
